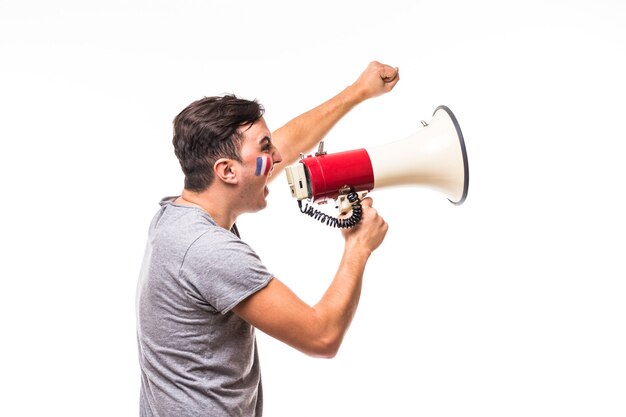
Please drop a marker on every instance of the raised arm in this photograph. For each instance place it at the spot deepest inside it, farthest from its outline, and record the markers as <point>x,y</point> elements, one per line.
<point>318,330</point>
<point>304,132</point>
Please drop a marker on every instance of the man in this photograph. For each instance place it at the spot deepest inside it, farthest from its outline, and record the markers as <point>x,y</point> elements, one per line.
<point>202,291</point>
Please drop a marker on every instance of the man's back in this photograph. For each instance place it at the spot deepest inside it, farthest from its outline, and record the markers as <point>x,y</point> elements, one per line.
<point>196,356</point>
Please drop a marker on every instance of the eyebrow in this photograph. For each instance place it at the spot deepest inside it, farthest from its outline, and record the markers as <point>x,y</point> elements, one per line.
<point>265,139</point>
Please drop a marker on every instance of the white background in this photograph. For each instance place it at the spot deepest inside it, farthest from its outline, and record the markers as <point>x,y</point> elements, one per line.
<point>512,304</point>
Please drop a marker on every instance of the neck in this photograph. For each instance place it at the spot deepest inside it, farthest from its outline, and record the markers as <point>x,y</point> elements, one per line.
<point>215,207</point>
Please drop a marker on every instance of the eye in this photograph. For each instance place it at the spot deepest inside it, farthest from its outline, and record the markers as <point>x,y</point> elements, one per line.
<point>266,145</point>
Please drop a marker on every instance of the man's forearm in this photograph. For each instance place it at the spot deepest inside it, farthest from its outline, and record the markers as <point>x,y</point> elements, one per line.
<point>304,132</point>
<point>337,307</point>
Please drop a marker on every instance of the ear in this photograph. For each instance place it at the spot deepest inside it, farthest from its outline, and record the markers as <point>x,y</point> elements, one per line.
<point>226,170</point>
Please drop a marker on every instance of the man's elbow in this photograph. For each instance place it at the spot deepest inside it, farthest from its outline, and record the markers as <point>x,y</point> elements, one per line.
<point>325,348</point>
<point>324,337</point>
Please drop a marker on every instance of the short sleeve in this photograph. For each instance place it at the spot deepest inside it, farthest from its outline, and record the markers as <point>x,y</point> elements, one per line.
<point>222,270</point>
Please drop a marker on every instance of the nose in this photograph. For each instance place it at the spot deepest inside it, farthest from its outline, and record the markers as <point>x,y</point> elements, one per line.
<point>276,157</point>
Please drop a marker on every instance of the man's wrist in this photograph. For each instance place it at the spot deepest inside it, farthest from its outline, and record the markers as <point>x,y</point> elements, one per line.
<point>354,95</point>
<point>357,251</point>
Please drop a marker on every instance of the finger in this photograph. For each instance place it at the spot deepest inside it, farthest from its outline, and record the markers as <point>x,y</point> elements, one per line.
<point>390,74</point>
<point>367,202</point>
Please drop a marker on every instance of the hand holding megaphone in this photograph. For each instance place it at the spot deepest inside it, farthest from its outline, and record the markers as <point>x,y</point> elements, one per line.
<point>435,157</point>
<point>371,231</point>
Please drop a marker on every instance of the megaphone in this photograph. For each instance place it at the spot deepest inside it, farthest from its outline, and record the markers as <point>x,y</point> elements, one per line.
<point>433,157</point>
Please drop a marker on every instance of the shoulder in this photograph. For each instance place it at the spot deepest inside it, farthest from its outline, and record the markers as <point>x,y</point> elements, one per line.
<point>219,244</point>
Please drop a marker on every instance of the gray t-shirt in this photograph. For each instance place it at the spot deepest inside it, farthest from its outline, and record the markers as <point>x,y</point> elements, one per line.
<point>197,357</point>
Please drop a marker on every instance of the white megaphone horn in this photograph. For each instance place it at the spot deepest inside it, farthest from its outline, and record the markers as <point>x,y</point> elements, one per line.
<point>434,157</point>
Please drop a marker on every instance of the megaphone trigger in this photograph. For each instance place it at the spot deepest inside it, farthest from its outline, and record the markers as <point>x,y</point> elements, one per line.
<point>344,205</point>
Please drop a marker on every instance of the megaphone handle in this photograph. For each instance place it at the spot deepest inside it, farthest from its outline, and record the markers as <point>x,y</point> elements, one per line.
<point>353,220</point>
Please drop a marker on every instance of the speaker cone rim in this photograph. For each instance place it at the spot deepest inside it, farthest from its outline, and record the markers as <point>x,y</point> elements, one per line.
<point>463,151</point>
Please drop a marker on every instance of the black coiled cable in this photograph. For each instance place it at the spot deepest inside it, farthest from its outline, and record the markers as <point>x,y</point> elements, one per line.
<point>357,213</point>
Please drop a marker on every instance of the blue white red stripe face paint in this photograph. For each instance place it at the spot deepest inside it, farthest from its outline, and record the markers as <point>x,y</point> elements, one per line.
<point>263,166</point>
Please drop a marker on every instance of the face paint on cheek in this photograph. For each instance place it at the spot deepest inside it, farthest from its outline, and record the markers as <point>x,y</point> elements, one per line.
<point>263,166</point>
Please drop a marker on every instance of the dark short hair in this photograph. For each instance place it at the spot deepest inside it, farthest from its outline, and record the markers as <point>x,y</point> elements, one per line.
<point>206,131</point>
